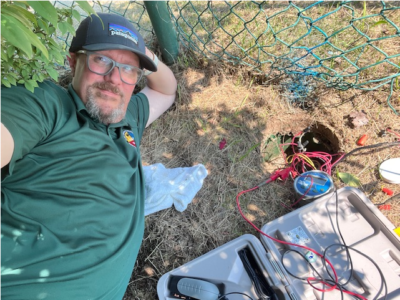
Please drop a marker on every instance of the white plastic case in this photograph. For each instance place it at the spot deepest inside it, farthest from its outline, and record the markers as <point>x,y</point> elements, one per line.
<point>363,228</point>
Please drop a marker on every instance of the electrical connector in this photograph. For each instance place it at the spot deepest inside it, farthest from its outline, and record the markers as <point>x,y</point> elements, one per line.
<point>282,174</point>
<point>385,207</point>
<point>387,191</point>
<point>302,146</point>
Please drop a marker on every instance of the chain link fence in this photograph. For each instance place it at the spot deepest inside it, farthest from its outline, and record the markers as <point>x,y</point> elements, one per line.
<point>347,44</point>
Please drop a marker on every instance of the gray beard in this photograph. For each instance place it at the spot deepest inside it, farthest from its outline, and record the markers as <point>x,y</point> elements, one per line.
<point>95,112</point>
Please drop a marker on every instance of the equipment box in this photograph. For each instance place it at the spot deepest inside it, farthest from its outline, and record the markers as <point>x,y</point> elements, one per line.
<point>247,267</point>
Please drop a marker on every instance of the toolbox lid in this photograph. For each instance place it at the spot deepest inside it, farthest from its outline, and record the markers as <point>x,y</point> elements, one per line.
<point>363,227</point>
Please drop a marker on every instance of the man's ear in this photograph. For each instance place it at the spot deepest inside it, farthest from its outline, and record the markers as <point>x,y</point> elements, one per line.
<point>72,57</point>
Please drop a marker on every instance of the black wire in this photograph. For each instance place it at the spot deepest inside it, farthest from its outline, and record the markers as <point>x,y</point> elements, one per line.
<point>379,270</point>
<point>340,286</point>
<point>237,293</point>
<point>390,199</point>
<point>312,267</point>
<point>386,144</point>
<point>344,243</point>
<point>302,256</point>
<point>383,281</point>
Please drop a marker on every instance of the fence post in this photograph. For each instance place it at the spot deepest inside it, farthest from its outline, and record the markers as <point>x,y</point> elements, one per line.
<point>164,29</point>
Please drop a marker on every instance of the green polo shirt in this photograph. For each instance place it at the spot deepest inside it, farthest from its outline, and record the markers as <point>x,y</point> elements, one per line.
<point>72,197</point>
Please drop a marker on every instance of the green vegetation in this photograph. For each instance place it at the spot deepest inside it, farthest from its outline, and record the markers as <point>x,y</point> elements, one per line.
<point>29,49</point>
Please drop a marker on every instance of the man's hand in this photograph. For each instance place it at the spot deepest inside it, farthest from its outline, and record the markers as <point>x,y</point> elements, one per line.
<point>7,146</point>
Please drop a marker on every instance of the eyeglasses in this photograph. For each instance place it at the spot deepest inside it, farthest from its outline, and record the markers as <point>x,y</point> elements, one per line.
<point>103,65</point>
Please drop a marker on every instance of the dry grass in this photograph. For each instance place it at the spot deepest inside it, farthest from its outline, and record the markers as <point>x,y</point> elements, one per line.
<point>216,101</point>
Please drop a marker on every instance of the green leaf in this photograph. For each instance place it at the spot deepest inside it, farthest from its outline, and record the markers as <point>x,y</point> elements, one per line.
<point>41,77</point>
<point>380,22</point>
<point>66,27</point>
<point>13,75</point>
<point>9,34</point>
<point>4,58</point>
<point>43,25</point>
<point>10,51</point>
<point>53,74</point>
<point>248,151</point>
<point>76,14</point>
<point>22,4</point>
<point>25,17</point>
<point>272,146</point>
<point>30,85</point>
<point>12,80</point>
<point>349,179</point>
<point>5,82</point>
<point>17,29</point>
<point>53,42</point>
<point>46,10</point>
<point>57,56</point>
<point>86,7</point>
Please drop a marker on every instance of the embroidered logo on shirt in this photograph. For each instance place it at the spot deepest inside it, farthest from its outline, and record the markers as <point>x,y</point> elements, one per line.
<point>129,137</point>
<point>114,29</point>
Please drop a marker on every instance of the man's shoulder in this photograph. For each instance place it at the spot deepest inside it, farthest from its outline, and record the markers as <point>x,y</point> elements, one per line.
<point>52,87</point>
<point>138,104</point>
<point>47,96</point>
<point>45,86</point>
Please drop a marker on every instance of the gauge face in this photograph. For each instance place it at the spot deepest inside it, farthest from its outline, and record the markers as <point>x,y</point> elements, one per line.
<point>313,184</point>
<point>317,180</point>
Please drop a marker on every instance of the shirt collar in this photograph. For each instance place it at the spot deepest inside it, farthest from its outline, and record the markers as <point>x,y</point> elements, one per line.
<point>78,102</point>
<point>81,107</point>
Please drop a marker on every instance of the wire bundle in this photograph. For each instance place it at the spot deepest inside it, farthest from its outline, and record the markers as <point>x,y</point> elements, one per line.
<point>302,161</point>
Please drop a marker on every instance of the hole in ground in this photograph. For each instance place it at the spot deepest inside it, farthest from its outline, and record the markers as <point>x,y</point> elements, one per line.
<point>319,139</point>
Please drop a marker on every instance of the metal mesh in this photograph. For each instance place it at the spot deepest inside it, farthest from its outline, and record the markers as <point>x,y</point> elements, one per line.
<point>344,44</point>
<point>348,44</point>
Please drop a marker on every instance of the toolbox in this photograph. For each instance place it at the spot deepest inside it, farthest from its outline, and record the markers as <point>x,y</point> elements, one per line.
<point>364,230</point>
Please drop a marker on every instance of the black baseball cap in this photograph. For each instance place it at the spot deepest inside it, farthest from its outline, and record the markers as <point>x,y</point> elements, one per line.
<point>117,33</point>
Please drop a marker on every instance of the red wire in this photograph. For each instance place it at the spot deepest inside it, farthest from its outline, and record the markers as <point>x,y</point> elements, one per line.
<point>325,283</point>
<point>394,132</point>
<point>302,196</point>
<point>293,143</point>
<point>279,241</point>
<point>332,287</point>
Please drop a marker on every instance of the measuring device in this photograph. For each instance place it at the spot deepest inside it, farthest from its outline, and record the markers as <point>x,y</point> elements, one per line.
<point>313,184</point>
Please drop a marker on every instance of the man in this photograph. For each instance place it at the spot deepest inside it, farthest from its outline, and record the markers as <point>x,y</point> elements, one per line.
<point>72,183</point>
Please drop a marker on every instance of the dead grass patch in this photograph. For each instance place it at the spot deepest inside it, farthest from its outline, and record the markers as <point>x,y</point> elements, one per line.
<point>215,102</point>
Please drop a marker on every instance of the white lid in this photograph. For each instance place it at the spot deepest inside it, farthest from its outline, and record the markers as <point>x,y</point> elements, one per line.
<point>390,170</point>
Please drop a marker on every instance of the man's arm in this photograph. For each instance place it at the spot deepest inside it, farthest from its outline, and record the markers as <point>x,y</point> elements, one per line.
<point>7,146</point>
<point>160,90</point>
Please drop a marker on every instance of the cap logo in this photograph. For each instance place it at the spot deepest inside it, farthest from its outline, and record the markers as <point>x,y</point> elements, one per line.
<point>114,29</point>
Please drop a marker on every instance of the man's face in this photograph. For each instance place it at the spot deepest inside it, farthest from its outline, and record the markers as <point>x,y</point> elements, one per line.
<point>106,97</point>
